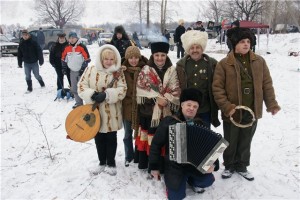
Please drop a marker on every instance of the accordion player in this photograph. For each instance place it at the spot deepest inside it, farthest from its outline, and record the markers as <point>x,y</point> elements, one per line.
<point>195,145</point>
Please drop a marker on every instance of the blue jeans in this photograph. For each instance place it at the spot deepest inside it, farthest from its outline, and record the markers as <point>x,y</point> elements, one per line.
<point>202,181</point>
<point>128,144</point>
<point>34,67</point>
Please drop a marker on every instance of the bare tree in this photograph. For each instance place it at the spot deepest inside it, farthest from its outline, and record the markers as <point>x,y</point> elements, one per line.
<point>214,10</point>
<point>163,15</point>
<point>249,9</point>
<point>59,12</point>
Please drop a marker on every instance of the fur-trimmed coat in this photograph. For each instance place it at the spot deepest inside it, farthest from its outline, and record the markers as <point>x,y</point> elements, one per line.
<point>97,78</point>
<point>227,85</point>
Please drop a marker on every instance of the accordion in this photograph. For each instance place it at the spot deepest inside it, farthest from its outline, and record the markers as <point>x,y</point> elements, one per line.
<point>196,145</point>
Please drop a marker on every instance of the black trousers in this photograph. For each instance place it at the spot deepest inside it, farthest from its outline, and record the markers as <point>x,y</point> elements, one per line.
<point>106,144</point>
<point>180,51</point>
<point>237,155</point>
<point>60,77</point>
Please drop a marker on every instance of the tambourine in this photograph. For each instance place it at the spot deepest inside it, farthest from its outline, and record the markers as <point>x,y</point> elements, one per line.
<point>243,125</point>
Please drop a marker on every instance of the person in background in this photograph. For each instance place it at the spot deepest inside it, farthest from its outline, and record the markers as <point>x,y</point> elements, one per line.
<point>196,70</point>
<point>133,64</point>
<point>157,96</point>
<point>55,59</point>
<point>234,24</point>
<point>177,175</point>
<point>167,35</point>
<point>136,40</point>
<point>120,40</point>
<point>199,26</point>
<point>41,38</point>
<point>241,78</point>
<point>93,86</point>
<point>31,53</point>
<point>177,38</point>
<point>75,57</point>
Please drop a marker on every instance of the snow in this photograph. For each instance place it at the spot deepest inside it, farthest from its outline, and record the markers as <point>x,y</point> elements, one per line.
<point>27,120</point>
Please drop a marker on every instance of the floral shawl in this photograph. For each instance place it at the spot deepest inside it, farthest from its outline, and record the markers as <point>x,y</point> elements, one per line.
<point>149,85</point>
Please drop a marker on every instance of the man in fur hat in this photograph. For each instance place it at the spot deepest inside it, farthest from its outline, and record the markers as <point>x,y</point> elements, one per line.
<point>120,40</point>
<point>177,175</point>
<point>195,70</point>
<point>242,78</point>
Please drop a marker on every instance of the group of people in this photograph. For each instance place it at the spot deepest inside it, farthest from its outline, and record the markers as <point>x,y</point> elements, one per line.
<point>146,95</point>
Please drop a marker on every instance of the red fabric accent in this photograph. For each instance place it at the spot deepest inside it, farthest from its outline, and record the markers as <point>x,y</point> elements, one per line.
<point>77,49</point>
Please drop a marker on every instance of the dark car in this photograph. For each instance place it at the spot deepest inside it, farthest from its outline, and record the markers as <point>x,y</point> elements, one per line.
<point>50,36</point>
<point>8,47</point>
<point>149,38</point>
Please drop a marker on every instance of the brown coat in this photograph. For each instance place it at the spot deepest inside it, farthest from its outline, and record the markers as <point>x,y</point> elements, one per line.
<point>227,85</point>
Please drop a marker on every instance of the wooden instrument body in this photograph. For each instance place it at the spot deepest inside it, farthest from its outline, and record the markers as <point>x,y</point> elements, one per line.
<point>83,123</point>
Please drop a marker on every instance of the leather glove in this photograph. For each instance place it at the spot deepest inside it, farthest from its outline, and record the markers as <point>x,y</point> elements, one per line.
<point>99,97</point>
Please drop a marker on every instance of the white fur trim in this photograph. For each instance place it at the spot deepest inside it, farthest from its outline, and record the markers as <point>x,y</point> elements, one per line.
<point>192,37</point>
<point>99,65</point>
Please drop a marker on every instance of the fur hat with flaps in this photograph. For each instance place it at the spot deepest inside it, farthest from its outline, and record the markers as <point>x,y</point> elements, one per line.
<point>192,37</point>
<point>119,29</point>
<point>237,34</point>
<point>160,47</point>
<point>132,51</point>
<point>191,94</point>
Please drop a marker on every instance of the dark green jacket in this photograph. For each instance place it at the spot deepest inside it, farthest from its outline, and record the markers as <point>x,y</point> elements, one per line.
<point>182,76</point>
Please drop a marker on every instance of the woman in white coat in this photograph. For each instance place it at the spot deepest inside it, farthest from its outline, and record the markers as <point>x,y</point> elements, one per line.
<point>95,86</point>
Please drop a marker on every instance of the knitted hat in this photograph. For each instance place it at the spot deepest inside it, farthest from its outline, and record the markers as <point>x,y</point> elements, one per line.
<point>132,51</point>
<point>160,47</point>
<point>73,34</point>
<point>192,37</point>
<point>237,34</point>
<point>191,94</point>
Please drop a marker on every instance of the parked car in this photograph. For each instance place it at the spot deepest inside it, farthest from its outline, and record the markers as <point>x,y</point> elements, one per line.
<point>147,39</point>
<point>50,36</point>
<point>8,47</point>
<point>292,29</point>
<point>104,38</point>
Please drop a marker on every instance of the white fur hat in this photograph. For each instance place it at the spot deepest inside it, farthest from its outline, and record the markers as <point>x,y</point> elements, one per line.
<point>192,37</point>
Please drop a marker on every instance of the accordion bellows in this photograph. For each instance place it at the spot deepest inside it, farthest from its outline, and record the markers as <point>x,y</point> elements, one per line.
<point>196,145</point>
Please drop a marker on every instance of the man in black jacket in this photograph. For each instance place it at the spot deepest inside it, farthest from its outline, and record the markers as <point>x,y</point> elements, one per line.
<point>30,52</point>
<point>178,32</point>
<point>177,175</point>
<point>55,59</point>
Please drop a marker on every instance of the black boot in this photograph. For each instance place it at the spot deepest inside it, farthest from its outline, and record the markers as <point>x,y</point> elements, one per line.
<point>42,83</point>
<point>29,86</point>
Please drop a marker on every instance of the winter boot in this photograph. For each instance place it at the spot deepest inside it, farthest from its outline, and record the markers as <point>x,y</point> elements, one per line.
<point>29,86</point>
<point>42,83</point>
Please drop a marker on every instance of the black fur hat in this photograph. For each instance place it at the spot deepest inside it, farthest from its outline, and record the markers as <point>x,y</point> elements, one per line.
<point>191,94</point>
<point>119,29</point>
<point>160,47</point>
<point>237,34</point>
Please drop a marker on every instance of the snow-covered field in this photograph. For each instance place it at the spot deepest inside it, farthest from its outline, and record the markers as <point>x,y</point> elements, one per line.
<point>27,120</point>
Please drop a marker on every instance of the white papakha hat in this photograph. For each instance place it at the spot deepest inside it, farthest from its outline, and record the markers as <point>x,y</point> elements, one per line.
<point>192,37</point>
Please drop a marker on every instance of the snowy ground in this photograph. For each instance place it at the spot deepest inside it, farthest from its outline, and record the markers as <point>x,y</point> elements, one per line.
<point>27,172</point>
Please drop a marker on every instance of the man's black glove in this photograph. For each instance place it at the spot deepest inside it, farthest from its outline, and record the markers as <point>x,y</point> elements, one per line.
<point>20,66</point>
<point>64,71</point>
<point>83,66</point>
<point>81,71</point>
<point>63,63</point>
<point>99,97</point>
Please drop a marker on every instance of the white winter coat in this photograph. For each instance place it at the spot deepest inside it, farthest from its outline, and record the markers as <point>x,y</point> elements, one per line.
<point>97,78</point>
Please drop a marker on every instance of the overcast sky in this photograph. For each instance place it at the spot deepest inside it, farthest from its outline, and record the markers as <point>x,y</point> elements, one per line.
<point>97,11</point>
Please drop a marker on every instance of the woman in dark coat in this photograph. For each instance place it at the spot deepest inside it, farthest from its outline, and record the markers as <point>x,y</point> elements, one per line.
<point>55,59</point>
<point>120,40</point>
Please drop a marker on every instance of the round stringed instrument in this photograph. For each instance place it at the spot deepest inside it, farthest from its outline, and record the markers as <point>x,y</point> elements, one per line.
<point>83,123</point>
